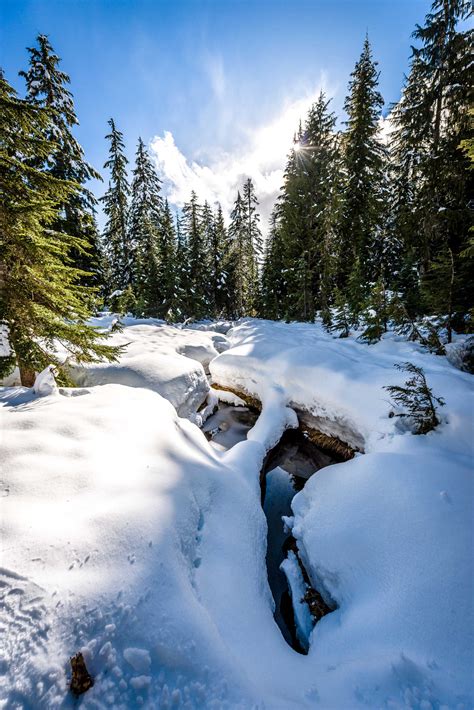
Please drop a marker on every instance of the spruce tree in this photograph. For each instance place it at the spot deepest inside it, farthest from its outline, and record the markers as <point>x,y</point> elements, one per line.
<point>42,304</point>
<point>168,267</point>
<point>182,271</point>
<point>431,122</point>
<point>47,86</point>
<point>218,254</point>
<point>115,204</point>
<point>417,399</point>
<point>309,210</point>
<point>361,223</point>
<point>144,226</point>
<point>197,259</point>
<point>238,267</point>
<point>273,282</point>
<point>253,241</point>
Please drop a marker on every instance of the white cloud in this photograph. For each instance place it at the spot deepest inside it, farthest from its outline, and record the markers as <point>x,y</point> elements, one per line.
<point>262,158</point>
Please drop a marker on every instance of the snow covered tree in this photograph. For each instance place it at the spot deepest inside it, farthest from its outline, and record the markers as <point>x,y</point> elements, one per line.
<point>362,218</point>
<point>377,314</point>
<point>417,399</point>
<point>144,225</point>
<point>218,248</point>
<point>253,240</point>
<point>47,86</point>
<point>240,274</point>
<point>42,304</point>
<point>341,317</point>
<point>115,201</point>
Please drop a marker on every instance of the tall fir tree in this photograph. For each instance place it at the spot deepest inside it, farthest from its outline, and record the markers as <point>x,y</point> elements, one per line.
<point>362,219</point>
<point>116,243</point>
<point>144,226</point>
<point>253,241</point>
<point>431,121</point>
<point>47,86</point>
<point>309,211</point>
<point>168,267</point>
<point>42,304</point>
<point>197,259</point>
<point>239,270</point>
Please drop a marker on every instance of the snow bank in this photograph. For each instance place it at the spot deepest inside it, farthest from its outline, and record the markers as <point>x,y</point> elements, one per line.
<point>159,357</point>
<point>122,537</point>
<point>387,535</point>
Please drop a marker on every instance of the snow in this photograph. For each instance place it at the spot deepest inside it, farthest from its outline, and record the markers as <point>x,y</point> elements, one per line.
<point>126,535</point>
<point>160,357</point>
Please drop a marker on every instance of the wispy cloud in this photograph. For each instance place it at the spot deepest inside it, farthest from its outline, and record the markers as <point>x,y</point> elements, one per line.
<point>262,157</point>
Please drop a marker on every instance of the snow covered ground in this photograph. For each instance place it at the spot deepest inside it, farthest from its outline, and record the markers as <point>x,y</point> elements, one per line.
<point>126,535</point>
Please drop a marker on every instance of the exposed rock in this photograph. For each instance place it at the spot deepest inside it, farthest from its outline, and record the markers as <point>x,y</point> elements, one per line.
<point>81,680</point>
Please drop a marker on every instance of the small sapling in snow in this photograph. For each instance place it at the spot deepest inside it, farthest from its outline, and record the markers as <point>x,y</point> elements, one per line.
<point>416,398</point>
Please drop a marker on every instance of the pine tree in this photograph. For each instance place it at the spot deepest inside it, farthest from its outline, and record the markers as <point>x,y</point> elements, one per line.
<point>115,235</point>
<point>253,241</point>
<point>309,211</point>
<point>273,282</point>
<point>417,399</point>
<point>144,225</point>
<point>341,317</point>
<point>361,223</point>
<point>238,267</point>
<point>47,86</point>
<point>377,314</point>
<point>42,304</point>
<point>197,261</point>
<point>182,271</point>
<point>218,247</point>
<point>431,121</point>
<point>168,268</point>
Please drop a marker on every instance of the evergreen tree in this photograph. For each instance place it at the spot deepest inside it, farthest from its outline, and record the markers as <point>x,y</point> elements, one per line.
<point>145,223</point>
<point>341,318</point>
<point>432,121</point>
<point>377,314</point>
<point>361,223</point>
<point>42,304</point>
<point>417,399</point>
<point>239,272</point>
<point>273,282</point>
<point>182,271</point>
<point>115,235</point>
<point>47,86</point>
<point>309,215</point>
<point>253,241</point>
<point>218,253</point>
<point>168,268</point>
<point>197,261</point>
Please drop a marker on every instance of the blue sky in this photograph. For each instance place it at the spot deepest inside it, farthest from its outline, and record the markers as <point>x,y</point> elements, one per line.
<point>213,86</point>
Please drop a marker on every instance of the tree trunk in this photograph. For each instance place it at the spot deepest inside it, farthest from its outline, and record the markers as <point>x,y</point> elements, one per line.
<point>27,375</point>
